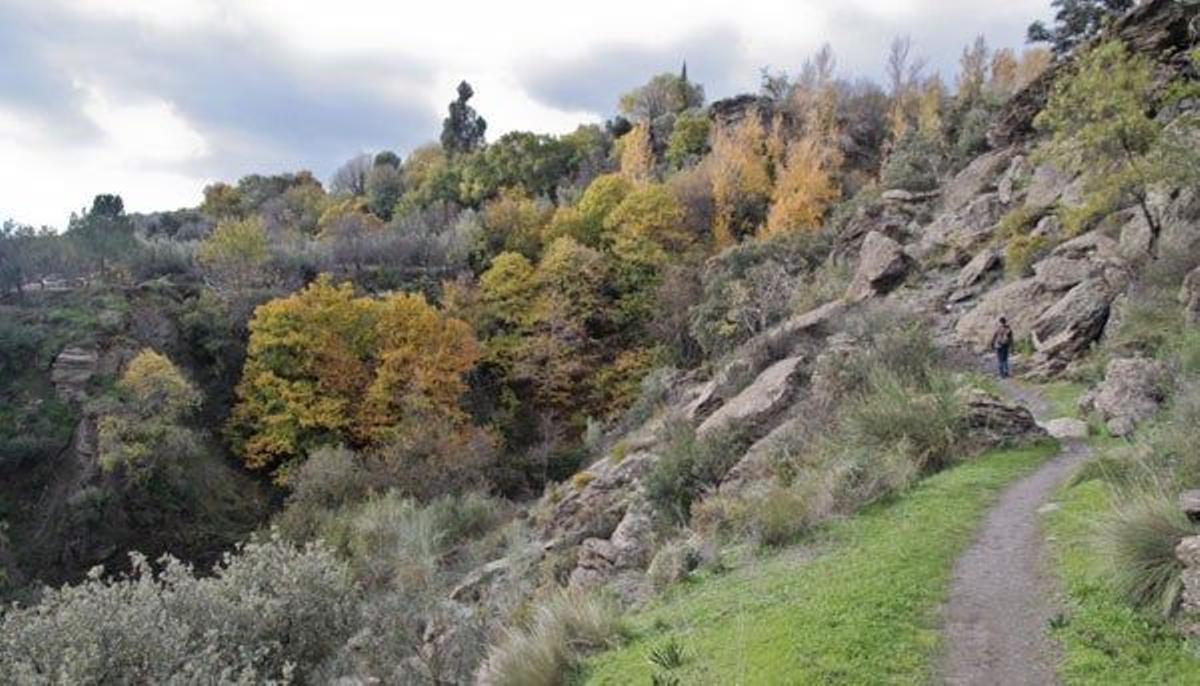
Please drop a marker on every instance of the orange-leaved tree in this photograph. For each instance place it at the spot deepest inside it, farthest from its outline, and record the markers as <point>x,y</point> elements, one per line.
<point>326,367</point>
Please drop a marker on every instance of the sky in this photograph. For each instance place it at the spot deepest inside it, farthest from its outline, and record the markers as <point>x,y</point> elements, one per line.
<point>155,99</point>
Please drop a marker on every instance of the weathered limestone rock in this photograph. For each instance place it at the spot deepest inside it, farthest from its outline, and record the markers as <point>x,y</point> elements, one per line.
<point>475,586</point>
<point>1070,326</point>
<point>1189,295</point>
<point>1057,273</point>
<point>1188,552</point>
<point>1021,302</point>
<point>981,175</point>
<point>596,509</point>
<point>630,548</point>
<point>1092,245</point>
<point>1065,428</point>
<point>72,370</point>
<point>979,266</point>
<point>762,400</point>
<point>1046,186</point>
<point>899,195</point>
<point>1189,502</point>
<point>965,228</point>
<point>1132,391</point>
<point>882,266</point>
<point>994,422</point>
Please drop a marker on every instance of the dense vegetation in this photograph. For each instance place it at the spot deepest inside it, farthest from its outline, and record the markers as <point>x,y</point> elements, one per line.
<point>322,411</point>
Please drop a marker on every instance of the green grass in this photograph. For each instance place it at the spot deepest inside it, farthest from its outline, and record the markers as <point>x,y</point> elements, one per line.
<point>1103,639</point>
<point>857,606</point>
<point>1062,397</point>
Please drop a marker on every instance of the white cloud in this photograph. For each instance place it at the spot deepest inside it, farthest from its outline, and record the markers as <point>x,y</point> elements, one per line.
<point>149,150</point>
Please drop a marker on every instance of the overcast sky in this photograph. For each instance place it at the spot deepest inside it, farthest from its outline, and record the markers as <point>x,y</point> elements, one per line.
<point>155,99</point>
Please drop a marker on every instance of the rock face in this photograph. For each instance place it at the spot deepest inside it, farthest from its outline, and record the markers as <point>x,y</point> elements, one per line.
<point>977,268</point>
<point>1071,325</point>
<point>629,549</point>
<point>762,400</point>
<point>72,370</point>
<point>1189,295</point>
<point>1132,391</point>
<point>993,422</point>
<point>1021,302</point>
<point>882,266</point>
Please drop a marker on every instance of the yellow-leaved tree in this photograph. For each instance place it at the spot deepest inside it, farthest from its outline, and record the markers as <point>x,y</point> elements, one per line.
<point>740,169</point>
<point>805,187</point>
<point>325,367</point>
<point>235,252</point>
<point>637,154</point>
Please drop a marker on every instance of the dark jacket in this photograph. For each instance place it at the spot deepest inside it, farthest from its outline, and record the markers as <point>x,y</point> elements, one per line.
<point>1003,338</point>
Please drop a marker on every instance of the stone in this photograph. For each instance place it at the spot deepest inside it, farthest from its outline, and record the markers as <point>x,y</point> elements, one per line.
<point>1021,302</point>
<point>882,266</point>
<point>1046,186</point>
<point>979,266</point>
<point>1132,391</point>
<point>1136,239</point>
<point>1189,295</point>
<point>1092,245</point>
<point>1057,273</point>
<point>902,196</point>
<point>1188,553</point>
<point>72,370</point>
<point>1070,326</point>
<point>475,585</point>
<point>993,422</point>
<point>762,400</point>
<point>964,228</point>
<point>595,510</point>
<point>1065,428</point>
<point>1006,187</point>
<point>630,548</point>
<point>980,176</point>
<point>1189,502</point>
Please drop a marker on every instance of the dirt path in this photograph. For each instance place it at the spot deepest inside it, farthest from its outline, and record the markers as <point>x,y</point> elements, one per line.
<point>1002,595</point>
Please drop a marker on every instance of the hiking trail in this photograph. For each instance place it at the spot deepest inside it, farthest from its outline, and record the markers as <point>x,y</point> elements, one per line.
<point>1002,594</point>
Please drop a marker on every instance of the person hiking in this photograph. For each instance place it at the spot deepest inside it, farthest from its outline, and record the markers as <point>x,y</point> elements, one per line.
<point>1002,342</point>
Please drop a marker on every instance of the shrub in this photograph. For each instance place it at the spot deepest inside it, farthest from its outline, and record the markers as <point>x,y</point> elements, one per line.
<point>1141,536</point>
<point>689,464</point>
<point>926,421</point>
<point>563,628</point>
<point>268,612</point>
<point>672,563</point>
<point>1021,251</point>
<point>389,540</point>
<point>913,164</point>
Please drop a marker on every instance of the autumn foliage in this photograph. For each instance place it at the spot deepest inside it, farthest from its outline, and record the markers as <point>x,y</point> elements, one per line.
<point>324,366</point>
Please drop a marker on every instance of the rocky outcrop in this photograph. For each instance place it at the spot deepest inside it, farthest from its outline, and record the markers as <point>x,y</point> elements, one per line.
<point>979,267</point>
<point>630,548</point>
<point>882,266</point>
<point>597,508</point>
<point>1132,391</point>
<point>753,409</point>
<point>1058,273</point>
<point>993,422</point>
<point>1021,302</point>
<point>1071,325</point>
<point>980,176</point>
<point>72,370</point>
<point>1189,295</point>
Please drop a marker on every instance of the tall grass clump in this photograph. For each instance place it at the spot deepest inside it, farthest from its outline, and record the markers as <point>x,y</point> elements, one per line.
<point>563,628</point>
<point>1141,536</point>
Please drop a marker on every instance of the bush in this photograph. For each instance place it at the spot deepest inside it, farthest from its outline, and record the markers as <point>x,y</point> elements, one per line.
<point>672,563</point>
<point>913,164</point>
<point>689,464</point>
<point>563,628</point>
<point>1141,536</point>
<point>268,612</point>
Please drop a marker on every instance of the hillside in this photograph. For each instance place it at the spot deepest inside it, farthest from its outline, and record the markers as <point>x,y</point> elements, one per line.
<point>704,394</point>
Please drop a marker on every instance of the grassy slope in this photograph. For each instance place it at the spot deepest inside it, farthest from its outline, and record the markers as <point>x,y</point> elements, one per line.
<point>862,611</point>
<point>1104,640</point>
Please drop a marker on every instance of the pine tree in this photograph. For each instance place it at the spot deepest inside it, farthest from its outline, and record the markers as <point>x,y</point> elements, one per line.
<point>463,129</point>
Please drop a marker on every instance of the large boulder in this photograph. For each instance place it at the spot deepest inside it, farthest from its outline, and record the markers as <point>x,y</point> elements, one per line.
<point>1067,428</point>
<point>882,266</point>
<point>1070,326</point>
<point>981,175</point>
<point>1021,302</point>
<point>71,372</point>
<point>964,229</point>
<point>1046,186</point>
<point>760,403</point>
<point>979,267</point>
<point>1132,391</point>
<point>593,507</point>
<point>1058,273</point>
<point>1189,295</point>
<point>993,422</point>
<point>630,548</point>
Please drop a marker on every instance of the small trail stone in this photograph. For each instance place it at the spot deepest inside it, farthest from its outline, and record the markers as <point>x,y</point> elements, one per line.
<point>1001,598</point>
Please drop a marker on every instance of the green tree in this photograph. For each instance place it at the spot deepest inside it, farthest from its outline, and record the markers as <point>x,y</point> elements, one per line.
<point>534,162</point>
<point>1098,126</point>
<point>663,94</point>
<point>142,433</point>
<point>384,187</point>
<point>235,252</point>
<point>1075,21</point>
<point>463,129</point>
<point>689,138</point>
<point>104,232</point>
